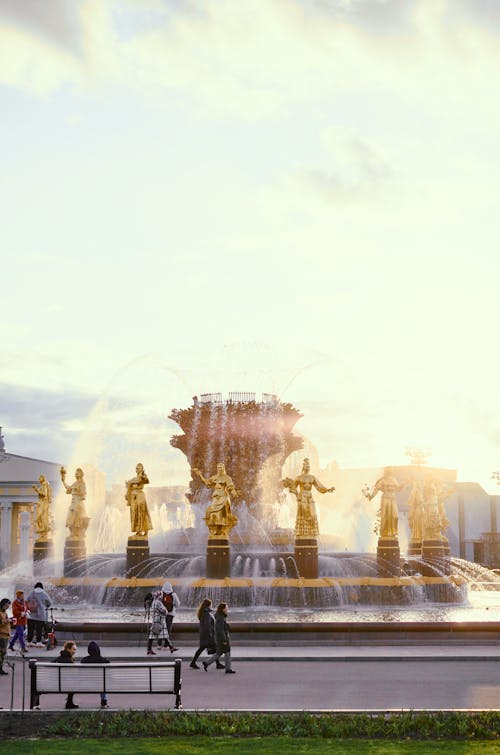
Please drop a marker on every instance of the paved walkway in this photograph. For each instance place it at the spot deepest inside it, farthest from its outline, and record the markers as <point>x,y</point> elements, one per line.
<point>305,678</point>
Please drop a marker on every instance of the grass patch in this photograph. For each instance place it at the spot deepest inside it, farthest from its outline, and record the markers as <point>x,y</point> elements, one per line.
<point>263,746</point>
<point>397,726</point>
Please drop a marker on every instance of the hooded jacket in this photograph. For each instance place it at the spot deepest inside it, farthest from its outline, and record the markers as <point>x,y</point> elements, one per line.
<point>94,654</point>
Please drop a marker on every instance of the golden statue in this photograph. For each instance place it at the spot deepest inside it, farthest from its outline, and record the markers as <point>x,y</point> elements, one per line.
<point>415,513</point>
<point>77,520</point>
<point>431,516</point>
<point>388,486</point>
<point>306,524</point>
<point>443,492</point>
<point>43,524</point>
<point>219,516</point>
<point>140,521</point>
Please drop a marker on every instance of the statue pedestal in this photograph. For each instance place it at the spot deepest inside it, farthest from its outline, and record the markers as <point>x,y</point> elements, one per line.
<point>435,563</point>
<point>414,554</point>
<point>43,550</point>
<point>218,558</point>
<point>75,557</point>
<point>137,553</point>
<point>388,557</point>
<point>306,557</point>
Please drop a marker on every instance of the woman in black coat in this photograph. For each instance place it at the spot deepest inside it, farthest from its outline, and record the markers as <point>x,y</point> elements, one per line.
<point>207,632</point>
<point>222,640</point>
<point>67,656</point>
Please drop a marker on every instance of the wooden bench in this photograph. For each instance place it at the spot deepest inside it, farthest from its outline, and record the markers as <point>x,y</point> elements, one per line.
<point>111,678</point>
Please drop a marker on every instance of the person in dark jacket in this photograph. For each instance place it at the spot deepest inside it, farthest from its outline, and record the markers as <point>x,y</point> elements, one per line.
<point>67,655</point>
<point>38,602</point>
<point>207,632</point>
<point>94,656</point>
<point>222,640</point>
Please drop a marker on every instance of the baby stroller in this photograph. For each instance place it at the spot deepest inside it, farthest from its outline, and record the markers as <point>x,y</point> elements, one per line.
<point>50,631</point>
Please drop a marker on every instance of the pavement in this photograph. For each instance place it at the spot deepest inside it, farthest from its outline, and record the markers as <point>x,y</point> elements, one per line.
<point>297,677</point>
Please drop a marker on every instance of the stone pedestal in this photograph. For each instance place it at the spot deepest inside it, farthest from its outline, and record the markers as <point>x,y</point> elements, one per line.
<point>75,557</point>
<point>306,557</point>
<point>388,557</point>
<point>414,554</point>
<point>42,551</point>
<point>137,554</point>
<point>218,558</point>
<point>433,557</point>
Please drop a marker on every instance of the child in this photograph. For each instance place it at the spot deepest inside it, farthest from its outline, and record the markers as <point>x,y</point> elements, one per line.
<point>20,613</point>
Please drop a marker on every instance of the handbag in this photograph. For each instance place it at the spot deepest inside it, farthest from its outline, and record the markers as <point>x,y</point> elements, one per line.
<point>156,627</point>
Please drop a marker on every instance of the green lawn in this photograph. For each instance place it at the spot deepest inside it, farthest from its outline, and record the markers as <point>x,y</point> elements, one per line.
<point>265,745</point>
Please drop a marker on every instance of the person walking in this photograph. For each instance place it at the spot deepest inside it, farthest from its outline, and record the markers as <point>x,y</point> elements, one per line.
<point>158,630</point>
<point>94,656</point>
<point>38,603</point>
<point>222,640</point>
<point>67,655</point>
<point>4,632</point>
<point>171,603</point>
<point>207,632</point>
<point>20,614</point>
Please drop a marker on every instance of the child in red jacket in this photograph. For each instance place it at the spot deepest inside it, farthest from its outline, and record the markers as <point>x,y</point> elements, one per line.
<point>20,614</point>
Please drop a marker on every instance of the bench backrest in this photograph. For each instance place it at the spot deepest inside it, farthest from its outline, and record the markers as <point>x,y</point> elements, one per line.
<point>107,677</point>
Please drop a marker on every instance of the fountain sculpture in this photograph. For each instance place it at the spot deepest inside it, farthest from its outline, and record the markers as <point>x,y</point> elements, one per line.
<point>247,561</point>
<point>43,547</point>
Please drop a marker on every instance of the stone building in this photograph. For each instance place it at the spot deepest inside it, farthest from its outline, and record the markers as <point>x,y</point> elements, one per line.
<point>18,501</point>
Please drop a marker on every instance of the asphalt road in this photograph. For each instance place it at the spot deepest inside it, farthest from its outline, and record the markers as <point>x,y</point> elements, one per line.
<point>316,684</point>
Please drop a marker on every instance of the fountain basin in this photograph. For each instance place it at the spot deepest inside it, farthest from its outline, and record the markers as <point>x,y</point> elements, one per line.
<point>323,592</point>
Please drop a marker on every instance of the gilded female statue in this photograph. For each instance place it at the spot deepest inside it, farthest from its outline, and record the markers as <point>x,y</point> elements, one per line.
<point>77,520</point>
<point>219,516</point>
<point>306,524</point>
<point>140,521</point>
<point>388,486</point>
<point>415,513</point>
<point>42,518</point>
<point>432,518</point>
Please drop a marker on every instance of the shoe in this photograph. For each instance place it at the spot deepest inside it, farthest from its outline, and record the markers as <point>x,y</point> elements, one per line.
<point>39,644</point>
<point>151,652</point>
<point>204,666</point>
<point>230,671</point>
<point>174,650</point>
<point>32,644</point>
<point>104,706</point>
<point>193,665</point>
<point>36,707</point>
<point>71,706</point>
<point>5,673</point>
<point>220,665</point>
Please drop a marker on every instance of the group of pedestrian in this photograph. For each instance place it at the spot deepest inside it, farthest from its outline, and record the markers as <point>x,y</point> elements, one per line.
<point>27,614</point>
<point>214,637</point>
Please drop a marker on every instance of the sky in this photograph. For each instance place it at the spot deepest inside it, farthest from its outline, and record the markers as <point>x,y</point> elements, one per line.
<point>290,196</point>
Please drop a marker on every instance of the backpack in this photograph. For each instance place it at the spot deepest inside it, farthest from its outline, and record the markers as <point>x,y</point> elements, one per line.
<point>32,605</point>
<point>168,601</point>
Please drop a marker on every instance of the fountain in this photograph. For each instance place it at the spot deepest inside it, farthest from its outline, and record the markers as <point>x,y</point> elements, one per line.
<point>237,551</point>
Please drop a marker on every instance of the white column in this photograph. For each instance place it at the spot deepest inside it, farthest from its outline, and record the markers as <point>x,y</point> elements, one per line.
<point>6,530</point>
<point>24,535</point>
